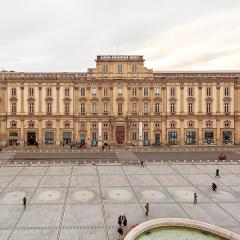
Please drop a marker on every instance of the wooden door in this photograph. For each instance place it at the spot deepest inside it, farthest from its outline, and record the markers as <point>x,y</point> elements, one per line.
<point>120,134</point>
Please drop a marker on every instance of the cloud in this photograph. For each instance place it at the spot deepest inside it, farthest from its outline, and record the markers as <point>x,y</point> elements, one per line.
<point>66,36</point>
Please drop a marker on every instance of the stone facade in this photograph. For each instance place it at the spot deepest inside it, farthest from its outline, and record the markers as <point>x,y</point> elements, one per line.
<point>120,102</point>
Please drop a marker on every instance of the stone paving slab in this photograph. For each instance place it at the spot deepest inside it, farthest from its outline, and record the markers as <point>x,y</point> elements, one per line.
<point>83,202</point>
<point>152,195</point>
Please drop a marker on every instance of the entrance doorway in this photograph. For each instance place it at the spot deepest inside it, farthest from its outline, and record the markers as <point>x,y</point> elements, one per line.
<point>120,134</point>
<point>31,138</point>
<point>157,139</point>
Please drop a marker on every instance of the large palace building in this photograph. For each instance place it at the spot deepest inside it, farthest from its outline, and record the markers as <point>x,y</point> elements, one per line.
<point>119,102</point>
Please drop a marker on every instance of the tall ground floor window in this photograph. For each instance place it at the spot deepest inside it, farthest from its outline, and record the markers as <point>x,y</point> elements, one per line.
<point>94,139</point>
<point>172,137</point>
<point>49,137</point>
<point>227,137</point>
<point>145,139</point>
<point>190,137</point>
<point>82,138</point>
<point>13,139</point>
<point>157,138</point>
<point>208,137</point>
<point>67,137</point>
<point>134,135</point>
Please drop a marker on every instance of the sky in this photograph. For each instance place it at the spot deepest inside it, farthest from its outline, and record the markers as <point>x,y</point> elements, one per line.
<point>67,35</point>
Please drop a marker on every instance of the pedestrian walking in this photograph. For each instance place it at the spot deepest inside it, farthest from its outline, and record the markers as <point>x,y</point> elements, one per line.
<point>120,232</point>
<point>142,165</point>
<point>217,173</point>
<point>120,220</point>
<point>146,209</point>
<point>24,202</point>
<point>214,187</point>
<point>195,198</point>
<point>124,220</point>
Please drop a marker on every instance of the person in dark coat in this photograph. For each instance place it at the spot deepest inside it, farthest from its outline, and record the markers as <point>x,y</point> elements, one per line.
<point>124,220</point>
<point>217,173</point>
<point>146,208</point>
<point>120,220</point>
<point>195,198</point>
<point>120,231</point>
<point>24,202</point>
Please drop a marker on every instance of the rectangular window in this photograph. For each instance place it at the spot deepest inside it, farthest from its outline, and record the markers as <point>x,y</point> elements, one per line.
<point>67,108</point>
<point>226,107</point>
<point>172,107</point>
<point>172,91</point>
<point>190,107</point>
<point>105,91</point>
<point>120,108</point>
<point>226,91</point>
<point>105,107</point>
<point>105,68</point>
<point>120,91</point>
<point>134,107</point>
<point>14,107</point>
<point>157,91</point>
<point>94,107</point>
<point>13,91</point>
<point>30,92</point>
<point>145,107</point>
<point>208,107</point>
<point>67,92</point>
<point>49,137</point>
<point>120,68</point>
<point>94,92</point>
<point>82,107</point>
<point>49,107</point>
<point>49,92</point>
<point>145,91</point>
<point>134,91</point>
<point>134,135</point>
<point>94,136</point>
<point>82,92</point>
<point>31,107</point>
<point>133,67</point>
<point>190,92</point>
<point>157,107</point>
<point>145,136</point>
<point>209,92</point>
<point>105,136</point>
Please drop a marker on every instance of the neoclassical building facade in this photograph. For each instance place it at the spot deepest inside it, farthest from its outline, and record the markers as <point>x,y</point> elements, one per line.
<point>121,102</point>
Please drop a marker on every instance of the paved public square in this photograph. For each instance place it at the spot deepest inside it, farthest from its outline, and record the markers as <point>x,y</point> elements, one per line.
<point>84,201</point>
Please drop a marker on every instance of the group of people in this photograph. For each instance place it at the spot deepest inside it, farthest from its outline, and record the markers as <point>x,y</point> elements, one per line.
<point>122,222</point>
<point>212,188</point>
